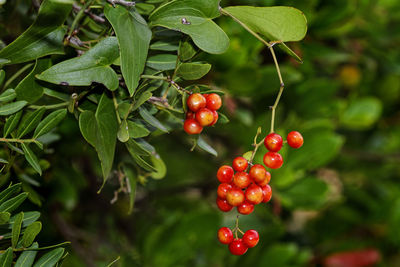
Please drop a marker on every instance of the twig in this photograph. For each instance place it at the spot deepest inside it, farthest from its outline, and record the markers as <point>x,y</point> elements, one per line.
<point>121,2</point>
<point>21,141</point>
<point>94,17</point>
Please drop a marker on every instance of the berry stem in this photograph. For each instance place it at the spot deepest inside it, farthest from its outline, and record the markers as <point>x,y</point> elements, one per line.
<point>256,145</point>
<point>282,85</point>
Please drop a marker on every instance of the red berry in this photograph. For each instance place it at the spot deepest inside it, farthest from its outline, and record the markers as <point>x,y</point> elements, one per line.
<point>223,205</point>
<point>273,142</point>
<point>196,101</point>
<point>254,194</point>
<point>267,193</point>
<point>250,238</point>
<point>204,116</point>
<point>214,101</point>
<point>240,164</point>
<point>295,139</point>
<point>245,208</point>
<point>225,174</point>
<point>215,117</point>
<point>241,179</point>
<point>235,196</point>
<point>257,173</point>
<point>223,189</point>
<point>225,235</point>
<point>190,115</point>
<point>191,126</point>
<point>273,160</point>
<point>237,247</point>
<point>266,180</point>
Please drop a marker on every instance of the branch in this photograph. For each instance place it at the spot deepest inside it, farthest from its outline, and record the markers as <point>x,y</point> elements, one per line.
<point>121,2</point>
<point>94,17</point>
<point>21,141</point>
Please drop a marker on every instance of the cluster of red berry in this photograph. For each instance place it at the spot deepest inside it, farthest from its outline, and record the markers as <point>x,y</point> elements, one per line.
<point>238,246</point>
<point>202,112</point>
<point>254,183</point>
<point>273,142</point>
<point>243,190</point>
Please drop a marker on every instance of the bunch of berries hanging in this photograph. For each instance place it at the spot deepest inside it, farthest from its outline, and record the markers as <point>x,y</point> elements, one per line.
<point>202,111</point>
<point>245,185</point>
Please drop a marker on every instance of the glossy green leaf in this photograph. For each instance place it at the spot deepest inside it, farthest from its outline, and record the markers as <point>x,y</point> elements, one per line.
<point>8,95</point>
<point>30,233</point>
<point>91,67</point>
<point>6,258</point>
<point>50,258</point>
<point>7,193</point>
<point>49,122</point>
<point>29,218</point>
<point>186,50</point>
<point>43,37</point>
<point>141,99</point>
<point>192,71</point>
<point>2,76</point>
<point>206,147</point>
<point>139,159</point>
<point>29,89</point>
<point>31,158</point>
<point>193,17</point>
<point>159,165</point>
<point>100,130</point>
<point>11,123</point>
<point>162,62</point>
<point>280,23</point>
<point>164,45</point>
<point>13,203</point>
<point>362,113</point>
<point>27,258</point>
<point>123,132</point>
<point>131,180</point>
<point>12,108</point>
<point>134,39</point>
<point>30,121</point>
<point>152,120</point>
<point>137,130</point>
<point>16,229</point>
<point>4,217</point>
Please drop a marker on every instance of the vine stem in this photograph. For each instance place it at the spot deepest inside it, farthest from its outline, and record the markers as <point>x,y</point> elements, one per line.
<point>256,145</point>
<point>54,106</point>
<point>77,19</point>
<point>15,140</point>
<point>270,47</point>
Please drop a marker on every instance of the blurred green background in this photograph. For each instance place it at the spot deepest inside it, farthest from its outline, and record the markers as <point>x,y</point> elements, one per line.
<point>339,192</point>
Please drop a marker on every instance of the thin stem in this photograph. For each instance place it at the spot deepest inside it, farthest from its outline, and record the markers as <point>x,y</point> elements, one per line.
<point>256,145</point>
<point>43,248</point>
<point>54,106</point>
<point>153,77</point>
<point>282,86</point>
<point>15,140</point>
<point>15,76</point>
<point>116,107</point>
<point>96,18</point>
<point>77,19</point>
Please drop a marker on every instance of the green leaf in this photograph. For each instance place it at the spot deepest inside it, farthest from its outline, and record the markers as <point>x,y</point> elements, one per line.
<point>192,71</point>
<point>134,39</point>
<point>123,132</point>
<point>11,123</point>
<point>279,23</point>
<point>48,123</point>
<point>131,180</point>
<point>362,113</point>
<point>186,51</point>
<point>141,100</point>
<point>206,147</point>
<point>27,258</point>
<point>307,193</point>
<point>43,37</point>
<point>29,218</point>
<point>50,258</point>
<point>13,203</point>
<point>100,130</point>
<point>11,108</point>
<point>2,76</point>
<point>152,120</point>
<point>28,89</point>
<point>29,122</point>
<point>8,95</point>
<point>16,229</point>
<point>31,158</point>
<point>137,130</point>
<point>6,258</point>
<point>162,62</point>
<point>6,193</point>
<point>193,17</point>
<point>132,149</point>
<point>159,165</point>
<point>93,66</point>
<point>164,45</point>
<point>30,233</point>
<point>4,217</point>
